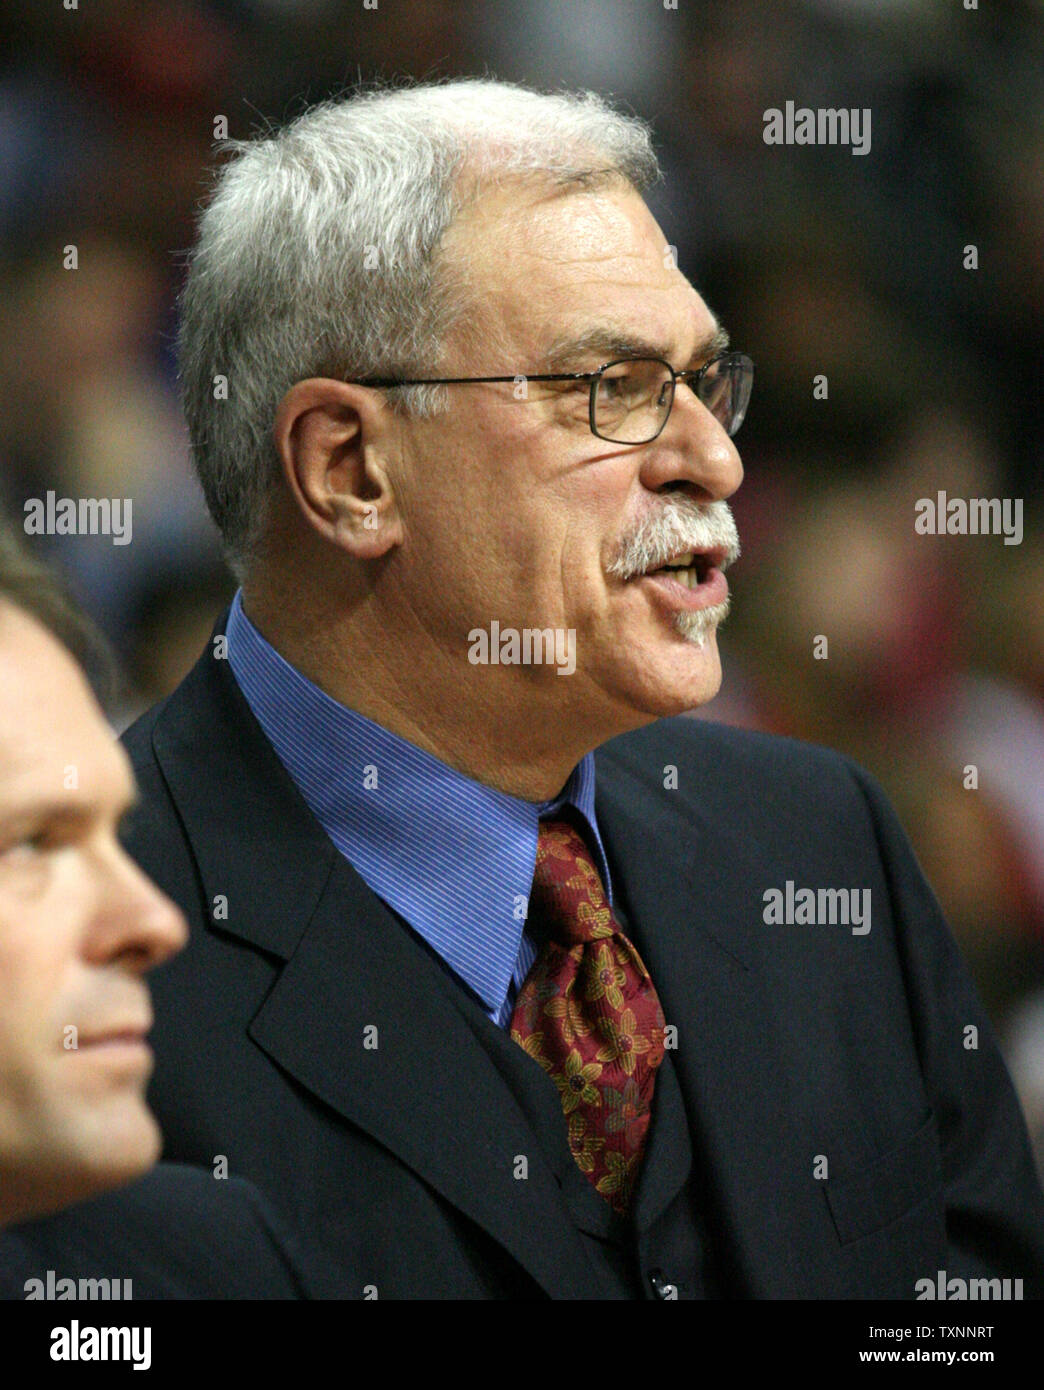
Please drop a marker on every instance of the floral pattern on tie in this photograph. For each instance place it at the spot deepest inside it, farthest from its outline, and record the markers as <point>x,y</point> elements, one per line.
<point>589,1015</point>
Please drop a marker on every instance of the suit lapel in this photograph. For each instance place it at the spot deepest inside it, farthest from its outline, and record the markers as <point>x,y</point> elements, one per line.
<point>748,1124</point>
<point>423,1087</point>
<point>427,1091</point>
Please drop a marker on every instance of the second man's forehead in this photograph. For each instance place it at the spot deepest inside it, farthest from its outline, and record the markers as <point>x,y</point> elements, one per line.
<point>26,800</point>
<point>65,772</point>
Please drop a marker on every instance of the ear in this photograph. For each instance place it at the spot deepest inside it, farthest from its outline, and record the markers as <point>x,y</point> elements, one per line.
<point>332,438</point>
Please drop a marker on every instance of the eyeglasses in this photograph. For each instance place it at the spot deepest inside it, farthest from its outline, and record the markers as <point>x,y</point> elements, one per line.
<point>631,398</point>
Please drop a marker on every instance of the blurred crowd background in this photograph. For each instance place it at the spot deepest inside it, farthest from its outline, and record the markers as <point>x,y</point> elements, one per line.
<point>819,261</point>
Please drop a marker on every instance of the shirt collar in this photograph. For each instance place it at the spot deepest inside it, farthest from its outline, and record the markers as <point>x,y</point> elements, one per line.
<point>452,856</point>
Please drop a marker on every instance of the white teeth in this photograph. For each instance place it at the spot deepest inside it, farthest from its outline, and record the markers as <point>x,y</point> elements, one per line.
<point>683,568</point>
<point>689,577</point>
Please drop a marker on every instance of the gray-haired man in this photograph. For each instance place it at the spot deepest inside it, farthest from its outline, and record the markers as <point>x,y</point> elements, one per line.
<point>481,985</point>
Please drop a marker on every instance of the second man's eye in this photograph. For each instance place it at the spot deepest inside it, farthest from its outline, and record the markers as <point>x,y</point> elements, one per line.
<point>32,843</point>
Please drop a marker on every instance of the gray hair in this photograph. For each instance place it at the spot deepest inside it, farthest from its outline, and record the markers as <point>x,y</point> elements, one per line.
<point>318,256</point>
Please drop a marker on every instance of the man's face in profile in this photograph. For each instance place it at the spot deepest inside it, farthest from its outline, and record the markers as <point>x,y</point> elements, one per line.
<point>79,926</point>
<point>516,511</point>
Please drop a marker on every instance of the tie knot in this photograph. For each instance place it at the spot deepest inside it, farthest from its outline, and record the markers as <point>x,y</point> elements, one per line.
<point>567,888</point>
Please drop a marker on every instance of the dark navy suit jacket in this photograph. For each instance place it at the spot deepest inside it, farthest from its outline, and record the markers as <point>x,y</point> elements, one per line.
<point>176,1233</point>
<point>852,1119</point>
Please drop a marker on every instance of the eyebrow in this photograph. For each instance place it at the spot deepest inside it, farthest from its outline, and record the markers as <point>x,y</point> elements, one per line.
<point>50,811</point>
<point>607,342</point>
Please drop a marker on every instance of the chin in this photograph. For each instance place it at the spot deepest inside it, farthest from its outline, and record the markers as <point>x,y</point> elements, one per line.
<point>117,1147</point>
<point>687,679</point>
<point>70,1154</point>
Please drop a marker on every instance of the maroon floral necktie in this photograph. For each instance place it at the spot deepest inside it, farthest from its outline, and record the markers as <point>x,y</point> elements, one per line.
<point>588,1013</point>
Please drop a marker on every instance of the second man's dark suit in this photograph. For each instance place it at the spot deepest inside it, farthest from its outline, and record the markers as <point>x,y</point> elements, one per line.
<point>822,1128</point>
<point>175,1233</point>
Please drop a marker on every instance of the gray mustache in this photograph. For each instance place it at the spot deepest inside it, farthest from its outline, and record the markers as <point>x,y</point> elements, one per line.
<point>678,524</point>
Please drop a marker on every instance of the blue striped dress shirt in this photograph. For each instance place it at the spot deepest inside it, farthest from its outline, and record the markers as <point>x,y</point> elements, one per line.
<point>453,857</point>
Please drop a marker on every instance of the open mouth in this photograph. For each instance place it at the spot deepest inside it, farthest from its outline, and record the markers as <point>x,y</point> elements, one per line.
<point>690,580</point>
<point>692,567</point>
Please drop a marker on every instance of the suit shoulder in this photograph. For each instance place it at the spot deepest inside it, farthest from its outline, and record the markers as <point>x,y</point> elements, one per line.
<point>137,737</point>
<point>722,753</point>
<point>185,1192</point>
<point>255,1252</point>
<point>177,1232</point>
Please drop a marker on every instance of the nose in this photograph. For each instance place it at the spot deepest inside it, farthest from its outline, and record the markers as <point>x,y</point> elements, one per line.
<point>133,922</point>
<point>693,448</point>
